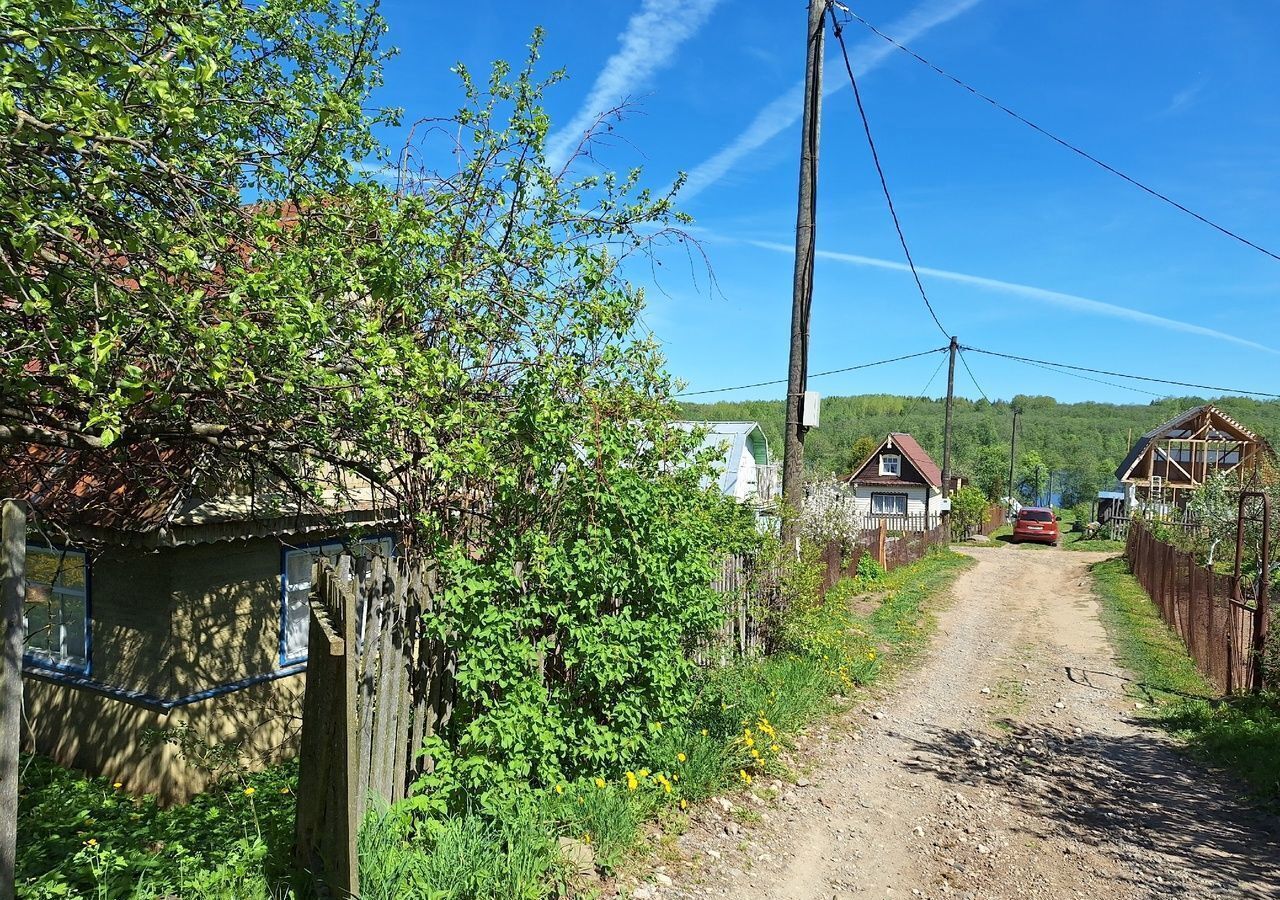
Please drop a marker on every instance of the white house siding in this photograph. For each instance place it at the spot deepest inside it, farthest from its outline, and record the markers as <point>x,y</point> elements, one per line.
<point>919,500</point>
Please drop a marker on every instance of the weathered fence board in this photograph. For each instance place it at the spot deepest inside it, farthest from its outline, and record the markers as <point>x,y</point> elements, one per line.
<point>13,559</point>
<point>377,686</point>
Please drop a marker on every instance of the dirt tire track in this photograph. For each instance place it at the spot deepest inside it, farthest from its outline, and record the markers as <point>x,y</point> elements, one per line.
<point>1010,764</point>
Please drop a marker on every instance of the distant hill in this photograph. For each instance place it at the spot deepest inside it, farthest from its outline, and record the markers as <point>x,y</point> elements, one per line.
<point>1084,442</point>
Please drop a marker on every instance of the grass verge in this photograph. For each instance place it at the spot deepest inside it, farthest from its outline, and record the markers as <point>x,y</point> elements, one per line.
<point>1240,734</point>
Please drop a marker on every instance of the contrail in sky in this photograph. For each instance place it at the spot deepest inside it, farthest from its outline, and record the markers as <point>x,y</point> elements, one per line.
<point>651,38</point>
<point>1056,298</point>
<point>786,109</point>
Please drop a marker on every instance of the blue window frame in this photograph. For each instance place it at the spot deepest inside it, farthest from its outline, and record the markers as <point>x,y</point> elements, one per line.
<point>296,571</point>
<point>56,615</point>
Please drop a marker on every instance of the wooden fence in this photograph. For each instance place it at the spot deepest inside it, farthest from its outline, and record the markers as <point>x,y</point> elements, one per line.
<point>1208,610</point>
<point>377,686</point>
<point>888,549</point>
<point>752,593</point>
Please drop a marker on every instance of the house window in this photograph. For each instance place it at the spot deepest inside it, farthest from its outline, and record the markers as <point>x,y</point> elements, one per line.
<point>888,504</point>
<point>55,616</point>
<point>890,464</point>
<point>295,592</point>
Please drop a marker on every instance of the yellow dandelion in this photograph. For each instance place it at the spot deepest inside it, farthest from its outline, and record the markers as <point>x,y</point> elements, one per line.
<point>742,773</point>
<point>284,790</point>
<point>675,777</point>
<point>871,654</point>
<point>559,788</point>
<point>92,842</point>
<point>775,748</point>
<point>599,782</point>
<point>657,726</point>
<point>643,773</point>
<point>586,838</point>
<point>632,781</point>
<point>684,804</point>
<point>680,757</point>
<point>118,785</point>
<point>704,732</point>
<point>249,792</point>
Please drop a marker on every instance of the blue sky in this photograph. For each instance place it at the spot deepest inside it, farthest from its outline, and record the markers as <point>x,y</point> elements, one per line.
<point>1032,250</point>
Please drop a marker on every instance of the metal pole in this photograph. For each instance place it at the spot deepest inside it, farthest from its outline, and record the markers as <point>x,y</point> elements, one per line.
<point>13,559</point>
<point>802,283</point>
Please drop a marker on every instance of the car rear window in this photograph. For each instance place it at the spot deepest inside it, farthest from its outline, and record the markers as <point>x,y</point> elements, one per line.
<point>1035,515</point>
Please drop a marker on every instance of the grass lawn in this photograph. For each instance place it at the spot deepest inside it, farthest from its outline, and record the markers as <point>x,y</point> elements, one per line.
<point>1240,734</point>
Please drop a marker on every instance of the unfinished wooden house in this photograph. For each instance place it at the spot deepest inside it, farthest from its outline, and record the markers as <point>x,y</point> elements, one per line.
<point>1168,462</point>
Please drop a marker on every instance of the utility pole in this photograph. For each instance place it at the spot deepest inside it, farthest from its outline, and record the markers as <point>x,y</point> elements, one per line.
<point>946,428</point>
<point>1013,452</point>
<point>802,284</point>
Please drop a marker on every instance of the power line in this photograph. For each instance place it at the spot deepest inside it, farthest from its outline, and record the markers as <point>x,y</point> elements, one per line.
<point>1114,384</point>
<point>1187,384</point>
<point>884,184</point>
<point>974,380</point>
<point>1058,140</point>
<point>929,383</point>
<point>879,362</point>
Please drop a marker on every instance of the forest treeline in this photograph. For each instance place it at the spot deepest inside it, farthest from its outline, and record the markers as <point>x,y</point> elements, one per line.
<point>1081,443</point>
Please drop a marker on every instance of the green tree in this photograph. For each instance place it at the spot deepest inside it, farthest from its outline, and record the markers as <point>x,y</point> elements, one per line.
<point>859,451</point>
<point>968,509</point>
<point>131,135</point>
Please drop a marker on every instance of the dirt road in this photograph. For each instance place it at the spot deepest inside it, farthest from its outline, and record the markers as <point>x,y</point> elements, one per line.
<point>1009,764</point>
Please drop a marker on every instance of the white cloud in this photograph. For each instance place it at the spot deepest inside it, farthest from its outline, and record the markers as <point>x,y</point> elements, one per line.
<point>1055,298</point>
<point>782,112</point>
<point>650,40</point>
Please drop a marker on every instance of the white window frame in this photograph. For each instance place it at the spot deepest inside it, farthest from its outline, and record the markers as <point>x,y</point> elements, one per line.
<point>66,634</point>
<point>295,607</point>
<point>896,470</point>
<point>881,496</point>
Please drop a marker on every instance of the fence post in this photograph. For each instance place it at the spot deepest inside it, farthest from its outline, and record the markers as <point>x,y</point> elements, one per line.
<point>882,545</point>
<point>1261,610</point>
<point>327,823</point>
<point>13,567</point>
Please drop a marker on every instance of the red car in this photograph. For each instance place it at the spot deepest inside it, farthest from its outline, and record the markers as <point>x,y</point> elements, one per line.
<point>1036,523</point>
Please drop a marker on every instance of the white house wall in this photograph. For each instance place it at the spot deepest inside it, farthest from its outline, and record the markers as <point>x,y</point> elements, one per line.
<point>919,499</point>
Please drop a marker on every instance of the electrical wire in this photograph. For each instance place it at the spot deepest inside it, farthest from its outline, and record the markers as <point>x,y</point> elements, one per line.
<point>1187,384</point>
<point>1114,384</point>
<point>1060,141</point>
<point>929,383</point>
<point>971,378</point>
<point>879,362</point>
<point>884,184</point>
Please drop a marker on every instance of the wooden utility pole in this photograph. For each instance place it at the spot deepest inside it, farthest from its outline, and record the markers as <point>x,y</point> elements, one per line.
<point>13,565</point>
<point>946,429</point>
<point>1013,453</point>
<point>802,284</point>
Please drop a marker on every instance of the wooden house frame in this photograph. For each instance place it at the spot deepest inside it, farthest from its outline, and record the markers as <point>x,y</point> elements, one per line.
<point>1171,460</point>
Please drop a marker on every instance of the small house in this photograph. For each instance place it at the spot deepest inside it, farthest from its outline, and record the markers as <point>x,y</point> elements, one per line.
<point>745,470</point>
<point>899,481</point>
<point>1171,460</point>
<point>157,613</point>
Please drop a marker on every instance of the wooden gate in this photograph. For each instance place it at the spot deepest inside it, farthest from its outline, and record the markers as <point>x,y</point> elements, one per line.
<point>377,686</point>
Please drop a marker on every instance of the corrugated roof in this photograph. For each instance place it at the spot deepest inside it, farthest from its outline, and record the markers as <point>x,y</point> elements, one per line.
<point>730,438</point>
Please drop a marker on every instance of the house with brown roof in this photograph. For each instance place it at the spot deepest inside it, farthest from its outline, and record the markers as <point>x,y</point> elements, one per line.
<point>899,481</point>
<point>1171,460</point>
<point>162,601</point>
